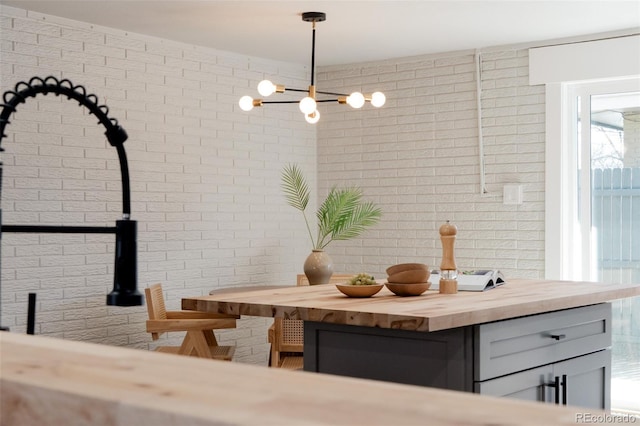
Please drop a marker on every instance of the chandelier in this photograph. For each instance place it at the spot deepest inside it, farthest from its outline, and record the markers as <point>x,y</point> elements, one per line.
<point>308,104</point>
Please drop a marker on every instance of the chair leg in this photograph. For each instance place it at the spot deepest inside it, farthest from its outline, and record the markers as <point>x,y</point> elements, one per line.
<point>200,344</point>
<point>195,344</point>
<point>210,337</point>
<point>275,357</point>
<point>187,346</point>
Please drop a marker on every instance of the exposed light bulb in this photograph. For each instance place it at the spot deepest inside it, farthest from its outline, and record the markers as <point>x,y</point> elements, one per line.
<point>307,105</point>
<point>313,117</point>
<point>266,88</point>
<point>355,100</point>
<point>378,99</point>
<point>246,103</point>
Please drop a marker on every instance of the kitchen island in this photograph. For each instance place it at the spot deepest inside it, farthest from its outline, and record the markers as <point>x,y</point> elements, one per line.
<point>54,382</point>
<point>529,339</point>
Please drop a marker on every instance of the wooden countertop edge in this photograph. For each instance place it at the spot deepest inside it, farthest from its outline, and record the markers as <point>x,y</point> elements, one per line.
<point>48,381</point>
<point>524,309</point>
<point>419,322</point>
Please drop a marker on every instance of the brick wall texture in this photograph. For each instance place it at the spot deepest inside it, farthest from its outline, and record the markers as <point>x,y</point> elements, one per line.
<point>205,176</point>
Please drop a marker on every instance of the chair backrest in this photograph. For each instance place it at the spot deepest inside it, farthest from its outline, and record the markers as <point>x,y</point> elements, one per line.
<point>291,334</point>
<point>155,305</point>
<point>335,279</point>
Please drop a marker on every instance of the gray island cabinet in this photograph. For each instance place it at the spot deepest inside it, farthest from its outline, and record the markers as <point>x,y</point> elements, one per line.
<point>536,340</point>
<point>560,357</point>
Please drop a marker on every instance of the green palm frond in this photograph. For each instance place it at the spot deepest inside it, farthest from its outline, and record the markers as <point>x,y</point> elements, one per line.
<point>295,187</point>
<point>335,211</point>
<point>363,216</point>
<point>342,216</point>
<point>296,191</point>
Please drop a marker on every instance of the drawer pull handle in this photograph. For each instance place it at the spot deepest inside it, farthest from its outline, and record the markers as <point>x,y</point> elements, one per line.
<point>558,336</point>
<point>556,386</point>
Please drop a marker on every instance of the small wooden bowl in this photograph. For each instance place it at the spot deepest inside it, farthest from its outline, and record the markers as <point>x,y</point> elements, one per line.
<point>359,290</point>
<point>409,277</point>
<point>401,267</point>
<point>415,289</point>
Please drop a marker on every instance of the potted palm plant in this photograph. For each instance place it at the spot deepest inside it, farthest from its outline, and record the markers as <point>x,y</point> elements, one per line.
<point>343,215</point>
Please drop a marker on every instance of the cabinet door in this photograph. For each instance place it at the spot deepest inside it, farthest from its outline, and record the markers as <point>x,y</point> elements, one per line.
<point>586,380</point>
<point>529,385</point>
<point>440,359</point>
<point>583,381</point>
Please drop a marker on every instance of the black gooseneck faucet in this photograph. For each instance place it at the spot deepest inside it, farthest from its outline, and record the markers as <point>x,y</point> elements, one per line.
<point>125,291</point>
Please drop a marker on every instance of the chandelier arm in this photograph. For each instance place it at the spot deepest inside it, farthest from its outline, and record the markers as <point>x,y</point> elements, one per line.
<point>280,102</point>
<point>331,93</point>
<point>320,92</point>
<point>297,102</point>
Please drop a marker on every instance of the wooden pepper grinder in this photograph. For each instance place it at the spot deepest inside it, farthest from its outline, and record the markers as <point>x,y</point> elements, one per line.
<point>448,269</point>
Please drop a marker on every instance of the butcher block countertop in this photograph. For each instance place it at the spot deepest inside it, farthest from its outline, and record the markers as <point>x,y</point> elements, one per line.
<point>431,311</point>
<point>55,382</point>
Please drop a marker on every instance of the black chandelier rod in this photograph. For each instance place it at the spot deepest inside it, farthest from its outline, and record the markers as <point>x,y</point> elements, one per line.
<point>313,52</point>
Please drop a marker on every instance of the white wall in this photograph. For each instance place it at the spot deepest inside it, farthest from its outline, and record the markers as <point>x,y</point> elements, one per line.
<point>205,178</point>
<point>418,158</point>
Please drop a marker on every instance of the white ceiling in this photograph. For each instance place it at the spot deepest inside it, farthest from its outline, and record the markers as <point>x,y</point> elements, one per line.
<point>354,31</point>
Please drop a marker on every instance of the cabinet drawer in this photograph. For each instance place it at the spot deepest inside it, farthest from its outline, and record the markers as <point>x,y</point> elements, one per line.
<point>505,347</point>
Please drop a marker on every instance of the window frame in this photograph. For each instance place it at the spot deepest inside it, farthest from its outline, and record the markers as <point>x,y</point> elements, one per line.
<point>568,245</point>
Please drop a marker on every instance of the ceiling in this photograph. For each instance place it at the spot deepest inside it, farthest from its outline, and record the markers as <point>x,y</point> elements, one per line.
<point>355,31</point>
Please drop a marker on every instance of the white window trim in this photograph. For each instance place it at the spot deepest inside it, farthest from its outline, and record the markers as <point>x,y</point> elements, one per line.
<point>556,66</point>
<point>563,260</point>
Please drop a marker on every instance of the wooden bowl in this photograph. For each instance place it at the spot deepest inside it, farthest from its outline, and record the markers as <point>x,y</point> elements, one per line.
<point>408,289</point>
<point>401,267</point>
<point>359,290</point>
<point>410,276</point>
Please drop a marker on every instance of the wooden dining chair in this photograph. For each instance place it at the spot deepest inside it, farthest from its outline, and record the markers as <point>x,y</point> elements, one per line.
<point>287,335</point>
<point>199,341</point>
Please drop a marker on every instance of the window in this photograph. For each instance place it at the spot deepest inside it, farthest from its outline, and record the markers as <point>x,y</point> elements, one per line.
<point>591,179</point>
<point>600,211</point>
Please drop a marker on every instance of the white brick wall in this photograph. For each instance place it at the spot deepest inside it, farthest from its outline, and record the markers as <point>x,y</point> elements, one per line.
<point>418,158</point>
<point>205,176</point>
